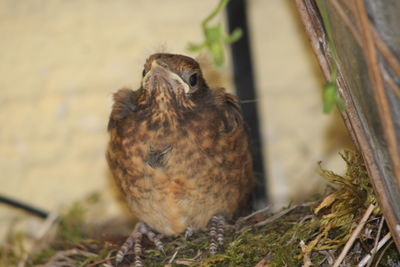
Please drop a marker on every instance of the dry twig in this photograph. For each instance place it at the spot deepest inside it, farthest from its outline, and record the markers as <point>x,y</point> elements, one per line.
<point>282,213</point>
<point>242,219</point>
<point>354,235</point>
<point>369,256</point>
<point>378,236</point>
<point>306,259</point>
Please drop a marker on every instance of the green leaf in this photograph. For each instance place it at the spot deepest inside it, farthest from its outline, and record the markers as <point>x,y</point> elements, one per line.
<point>332,98</point>
<point>214,37</point>
<point>329,97</point>
<point>235,35</point>
<point>213,34</point>
<point>217,52</point>
<point>196,47</point>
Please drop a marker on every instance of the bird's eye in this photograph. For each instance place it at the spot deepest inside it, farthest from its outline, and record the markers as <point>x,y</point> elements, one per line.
<point>193,79</point>
<point>144,72</point>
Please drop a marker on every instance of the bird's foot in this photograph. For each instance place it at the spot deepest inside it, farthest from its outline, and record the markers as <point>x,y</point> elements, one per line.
<point>217,228</point>
<point>135,241</point>
<point>189,232</point>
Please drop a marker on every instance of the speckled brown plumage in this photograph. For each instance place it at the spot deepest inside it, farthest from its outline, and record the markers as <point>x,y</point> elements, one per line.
<point>178,149</point>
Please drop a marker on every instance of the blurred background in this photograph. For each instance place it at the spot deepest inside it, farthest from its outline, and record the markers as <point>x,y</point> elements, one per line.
<point>60,62</point>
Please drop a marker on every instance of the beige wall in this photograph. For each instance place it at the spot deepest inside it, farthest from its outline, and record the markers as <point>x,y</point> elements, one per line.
<point>60,61</point>
<point>297,133</point>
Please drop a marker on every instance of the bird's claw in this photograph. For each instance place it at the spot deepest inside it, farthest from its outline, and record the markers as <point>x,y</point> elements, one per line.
<point>135,241</point>
<point>189,232</point>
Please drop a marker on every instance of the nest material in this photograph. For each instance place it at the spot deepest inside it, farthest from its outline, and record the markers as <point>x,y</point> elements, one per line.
<point>305,234</point>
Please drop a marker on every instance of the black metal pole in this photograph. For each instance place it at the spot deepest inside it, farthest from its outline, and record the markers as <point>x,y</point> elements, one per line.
<point>245,90</point>
<point>23,206</point>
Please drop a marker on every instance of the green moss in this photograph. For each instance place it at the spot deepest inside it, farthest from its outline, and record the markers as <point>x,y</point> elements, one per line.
<point>12,250</point>
<point>278,240</point>
<point>71,225</point>
<point>342,209</point>
<point>388,257</point>
<point>43,256</point>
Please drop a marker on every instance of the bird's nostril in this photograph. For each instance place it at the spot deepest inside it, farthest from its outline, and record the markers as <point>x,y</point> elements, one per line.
<point>162,63</point>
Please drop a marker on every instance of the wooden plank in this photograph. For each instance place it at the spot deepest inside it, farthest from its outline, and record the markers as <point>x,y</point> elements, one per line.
<point>368,80</point>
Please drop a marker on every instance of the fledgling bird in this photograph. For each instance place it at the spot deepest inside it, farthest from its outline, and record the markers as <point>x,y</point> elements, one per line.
<point>179,152</point>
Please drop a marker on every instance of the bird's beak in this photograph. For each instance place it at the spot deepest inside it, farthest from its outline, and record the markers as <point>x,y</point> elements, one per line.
<point>160,72</point>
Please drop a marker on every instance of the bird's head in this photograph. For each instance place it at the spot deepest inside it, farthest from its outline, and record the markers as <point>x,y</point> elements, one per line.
<point>170,78</point>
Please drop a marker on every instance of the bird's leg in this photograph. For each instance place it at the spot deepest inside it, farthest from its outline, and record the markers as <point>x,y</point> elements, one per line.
<point>220,230</point>
<point>217,228</point>
<point>135,241</point>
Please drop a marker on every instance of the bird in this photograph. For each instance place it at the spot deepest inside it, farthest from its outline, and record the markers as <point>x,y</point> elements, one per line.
<point>179,152</point>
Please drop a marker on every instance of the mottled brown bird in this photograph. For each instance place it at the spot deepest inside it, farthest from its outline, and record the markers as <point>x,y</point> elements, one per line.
<point>178,151</point>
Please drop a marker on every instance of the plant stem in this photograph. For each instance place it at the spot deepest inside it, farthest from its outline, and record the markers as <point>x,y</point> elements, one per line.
<point>221,5</point>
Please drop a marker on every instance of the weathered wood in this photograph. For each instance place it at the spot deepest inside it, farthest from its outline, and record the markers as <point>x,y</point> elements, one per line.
<point>367,40</point>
